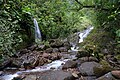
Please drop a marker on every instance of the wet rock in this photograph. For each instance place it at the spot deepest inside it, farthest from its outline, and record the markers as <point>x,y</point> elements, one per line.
<point>63,49</point>
<point>69,64</point>
<point>50,75</point>
<point>30,77</point>
<point>54,56</point>
<point>49,50</point>
<point>107,76</point>
<point>65,55</point>
<point>55,50</point>
<point>1,73</point>
<point>87,68</point>
<point>116,74</point>
<point>41,47</point>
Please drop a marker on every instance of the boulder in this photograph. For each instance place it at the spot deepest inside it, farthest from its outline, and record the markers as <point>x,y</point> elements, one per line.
<point>50,75</point>
<point>55,50</point>
<point>107,76</point>
<point>87,68</point>
<point>1,73</point>
<point>63,49</point>
<point>116,73</point>
<point>69,64</point>
<point>45,55</point>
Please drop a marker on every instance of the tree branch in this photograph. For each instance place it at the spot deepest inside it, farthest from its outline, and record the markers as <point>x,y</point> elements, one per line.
<point>95,7</point>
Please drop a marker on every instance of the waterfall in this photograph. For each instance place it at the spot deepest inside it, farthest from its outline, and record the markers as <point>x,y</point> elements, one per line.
<point>84,34</point>
<point>38,36</point>
<point>81,36</point>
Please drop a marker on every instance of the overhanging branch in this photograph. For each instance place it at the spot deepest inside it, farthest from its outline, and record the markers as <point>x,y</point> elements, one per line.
<point>95,7</point>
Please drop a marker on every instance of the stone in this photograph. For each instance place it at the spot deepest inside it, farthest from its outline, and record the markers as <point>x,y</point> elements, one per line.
<point>82,60</point>
<point>87,68</point>
<point>116,73</point>
<point>69,64</point>
<point>63,49</point>
<point>75,75</point>
<point>54,56</point>
<point>50,75</point>
<point>49,50</point>
<point>30,77</point>
<point>107,76</point>
<point>45,55</point>
<point>41,47</point>
<point>65,56</point>
<point>55,50</point>
<point>1,73</point>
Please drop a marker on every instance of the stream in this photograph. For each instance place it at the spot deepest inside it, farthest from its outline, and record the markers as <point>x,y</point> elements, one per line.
<point>57,64</point>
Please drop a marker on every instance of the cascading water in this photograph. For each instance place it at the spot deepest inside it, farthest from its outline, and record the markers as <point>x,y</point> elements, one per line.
<point>56,64</point>
<point>81,36</point>
<point>38,36</point>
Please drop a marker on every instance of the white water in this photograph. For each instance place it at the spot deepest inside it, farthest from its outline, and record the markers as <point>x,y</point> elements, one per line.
<point>84,34</point>
<point>37,31</point>
<point>55,64</point>
<point>81,35</point>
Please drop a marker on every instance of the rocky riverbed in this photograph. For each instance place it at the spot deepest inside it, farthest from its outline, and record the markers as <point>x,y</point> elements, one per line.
<point>57,61</point>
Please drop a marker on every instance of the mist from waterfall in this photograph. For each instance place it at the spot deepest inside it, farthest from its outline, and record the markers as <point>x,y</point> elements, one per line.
<point>38,36</point>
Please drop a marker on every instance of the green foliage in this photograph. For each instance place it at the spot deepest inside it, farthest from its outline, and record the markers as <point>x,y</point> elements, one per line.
<point>11,17</point>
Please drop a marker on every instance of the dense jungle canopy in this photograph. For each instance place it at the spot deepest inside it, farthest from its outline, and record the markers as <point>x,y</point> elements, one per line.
<point>56,19</point>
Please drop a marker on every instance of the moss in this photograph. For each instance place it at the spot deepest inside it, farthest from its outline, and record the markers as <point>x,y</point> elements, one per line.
<point>105,68</point>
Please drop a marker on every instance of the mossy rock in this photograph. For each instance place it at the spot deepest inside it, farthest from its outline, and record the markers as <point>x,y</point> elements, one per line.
<point>105,68</point>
